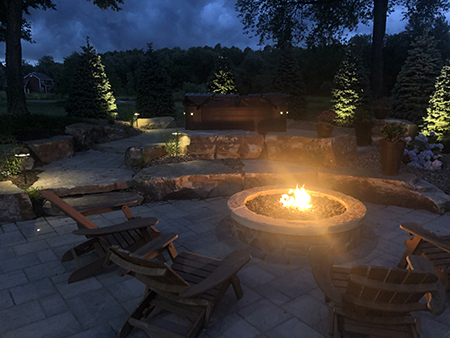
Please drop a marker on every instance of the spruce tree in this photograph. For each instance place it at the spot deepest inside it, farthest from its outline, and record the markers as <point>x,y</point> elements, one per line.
<point>415,82</point>
<point>438,112</point>
<point>289,80</point>
<point>351,89</point>
<point>90,94</point>
<point>155,97</point>
<point>222,80</point>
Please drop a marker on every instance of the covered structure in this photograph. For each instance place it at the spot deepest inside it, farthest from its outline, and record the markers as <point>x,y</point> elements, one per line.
<point>262,113</point>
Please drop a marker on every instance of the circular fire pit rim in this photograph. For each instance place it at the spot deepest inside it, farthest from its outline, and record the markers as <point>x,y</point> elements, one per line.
<point>352,218</point>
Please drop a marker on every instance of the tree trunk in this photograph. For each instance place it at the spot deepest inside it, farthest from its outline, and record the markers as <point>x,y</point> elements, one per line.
<point>14,77</point>
<point>379,30</point>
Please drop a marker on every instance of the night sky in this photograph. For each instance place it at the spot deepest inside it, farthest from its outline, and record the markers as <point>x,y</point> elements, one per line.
<point>170,23</point>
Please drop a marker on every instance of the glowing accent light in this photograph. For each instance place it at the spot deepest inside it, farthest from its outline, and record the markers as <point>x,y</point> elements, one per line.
<point>296,199</point>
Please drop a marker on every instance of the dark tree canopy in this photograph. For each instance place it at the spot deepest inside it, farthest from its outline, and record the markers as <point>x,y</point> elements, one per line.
<point>324,21</point>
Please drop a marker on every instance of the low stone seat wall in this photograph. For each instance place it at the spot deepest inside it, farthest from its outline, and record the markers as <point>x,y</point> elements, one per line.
<point>218,144</point>
<point>305,146</point>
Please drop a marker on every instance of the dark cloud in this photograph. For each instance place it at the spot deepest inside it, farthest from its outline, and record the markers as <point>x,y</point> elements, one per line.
<point>182,23</point>
<point>170,23</point>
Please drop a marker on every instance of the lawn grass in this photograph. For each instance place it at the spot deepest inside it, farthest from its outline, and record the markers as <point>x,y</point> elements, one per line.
<point>52,116</point>
<point>316,105</point>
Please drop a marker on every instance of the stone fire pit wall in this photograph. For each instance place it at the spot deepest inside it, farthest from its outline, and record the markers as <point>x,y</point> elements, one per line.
<point>295,237</point>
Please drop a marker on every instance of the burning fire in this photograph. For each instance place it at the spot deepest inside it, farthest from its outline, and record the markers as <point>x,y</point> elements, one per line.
<point>300,200</point>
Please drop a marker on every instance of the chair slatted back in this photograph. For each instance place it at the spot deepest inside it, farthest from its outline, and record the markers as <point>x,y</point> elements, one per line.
<point>379,291</point>
<point>158,276</point>
<point>124,239</point>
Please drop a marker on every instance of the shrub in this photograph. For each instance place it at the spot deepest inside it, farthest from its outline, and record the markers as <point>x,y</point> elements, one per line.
<point>222,79</point>
<point>394,132</point>
<point>415,82</point>
<point>91,95</point>
<point>155,97</point>
<point>423,152</point>
<point>327,116</point>
<point>437,120</point>
<point>172,144</point>
<point>350,89</point>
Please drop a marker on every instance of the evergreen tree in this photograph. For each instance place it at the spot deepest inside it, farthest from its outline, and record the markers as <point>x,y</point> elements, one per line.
<point>415,82</point>
<point>351,89</point>
<point>91,94</point>
<point>154,92</point>
<point>438,112</point>
<point>222,79</point>
<point>289,80</point>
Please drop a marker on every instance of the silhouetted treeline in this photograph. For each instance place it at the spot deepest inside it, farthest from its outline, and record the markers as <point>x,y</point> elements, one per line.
<point>254,70</point>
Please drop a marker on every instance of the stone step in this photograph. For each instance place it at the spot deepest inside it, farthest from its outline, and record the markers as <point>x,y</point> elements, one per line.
<point>95,201</point>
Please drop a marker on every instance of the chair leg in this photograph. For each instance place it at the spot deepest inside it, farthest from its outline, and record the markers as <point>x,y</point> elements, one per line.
<point>237,287</point>
<point>80,249</point>
<point>87,270</point>
<point>411,249</point>
<point>137,314</point>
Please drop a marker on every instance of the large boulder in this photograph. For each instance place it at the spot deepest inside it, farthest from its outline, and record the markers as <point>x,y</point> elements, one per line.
<point>307,147</point>
<point>15,205</point>
<point>195,179</point>
<point>85,135</point>
<point>52,149</point>
<point>154,122</point>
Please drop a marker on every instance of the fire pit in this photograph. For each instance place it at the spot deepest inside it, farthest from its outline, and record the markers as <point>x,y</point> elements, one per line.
<point>331,218</point>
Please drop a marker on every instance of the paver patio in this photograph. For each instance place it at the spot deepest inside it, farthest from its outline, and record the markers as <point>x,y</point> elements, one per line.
<point>280,300</point>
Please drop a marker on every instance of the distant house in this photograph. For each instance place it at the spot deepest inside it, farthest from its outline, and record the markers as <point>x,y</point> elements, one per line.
<point>37,83</point>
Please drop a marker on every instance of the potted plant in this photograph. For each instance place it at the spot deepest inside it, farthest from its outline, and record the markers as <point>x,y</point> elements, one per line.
<point>392,147</point>
<point>363,124</point>
<point>324,125</point>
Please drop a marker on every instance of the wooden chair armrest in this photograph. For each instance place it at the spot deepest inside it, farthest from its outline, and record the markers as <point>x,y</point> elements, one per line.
<point>426,235</point>
<point>436,299</point>
<point>227,267</point>
<point>321,265</point>
<point>157,244</point>
<point>133,224</point>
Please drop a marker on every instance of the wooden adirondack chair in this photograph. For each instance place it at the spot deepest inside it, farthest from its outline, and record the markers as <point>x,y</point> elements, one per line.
<point>431,246</point>
<point>376,301</point>
<point>188,290</point>
<point>130,235</point>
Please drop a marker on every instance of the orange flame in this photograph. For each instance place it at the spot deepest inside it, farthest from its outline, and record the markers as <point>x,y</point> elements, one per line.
<point>300,200</point>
